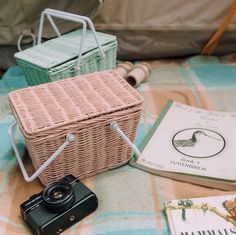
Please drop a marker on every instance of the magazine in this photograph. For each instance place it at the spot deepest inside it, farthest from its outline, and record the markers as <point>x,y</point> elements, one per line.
<point>193,145</point>
<point>214,215</point>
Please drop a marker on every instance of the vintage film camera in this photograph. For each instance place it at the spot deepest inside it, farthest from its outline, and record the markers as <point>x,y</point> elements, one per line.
<point>59,206</point>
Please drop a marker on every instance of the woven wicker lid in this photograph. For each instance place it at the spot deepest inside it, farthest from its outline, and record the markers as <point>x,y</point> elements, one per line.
<point>59,50</point>
<point>63,102</point>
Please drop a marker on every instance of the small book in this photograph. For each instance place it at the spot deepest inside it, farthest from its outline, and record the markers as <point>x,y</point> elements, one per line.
<point>193,145</point>
<point>202,216</point>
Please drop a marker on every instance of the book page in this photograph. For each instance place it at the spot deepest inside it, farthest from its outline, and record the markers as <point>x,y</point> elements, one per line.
<point>201,216</point>
<point>193,141</point>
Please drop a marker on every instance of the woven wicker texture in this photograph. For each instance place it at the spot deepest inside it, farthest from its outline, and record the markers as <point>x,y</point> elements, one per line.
<point>84,106</point>
<point>57,58</point>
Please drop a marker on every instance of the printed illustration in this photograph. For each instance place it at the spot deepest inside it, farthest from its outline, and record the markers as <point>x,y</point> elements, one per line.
<point>198,142</point>
<point>184,204</point>
<point>230,206</point>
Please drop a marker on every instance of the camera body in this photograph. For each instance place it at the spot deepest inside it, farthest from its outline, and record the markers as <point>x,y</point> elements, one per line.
<point>59,206</point>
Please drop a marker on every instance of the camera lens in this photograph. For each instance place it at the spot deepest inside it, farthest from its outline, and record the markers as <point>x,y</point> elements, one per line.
<point>58,197</point>
<point>57,193</point>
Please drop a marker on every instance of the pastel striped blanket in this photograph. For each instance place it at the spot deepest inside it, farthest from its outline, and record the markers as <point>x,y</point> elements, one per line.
<point>130,200</point>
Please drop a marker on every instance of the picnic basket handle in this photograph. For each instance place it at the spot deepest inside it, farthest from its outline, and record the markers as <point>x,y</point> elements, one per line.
<point>114,126</point>
<point>71,17</point>
<point>59,34</point>
<point>85,18</point>
<point>68,140</point>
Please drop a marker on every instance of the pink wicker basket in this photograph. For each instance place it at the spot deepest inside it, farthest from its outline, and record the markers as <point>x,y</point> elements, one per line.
<point>84,106</point>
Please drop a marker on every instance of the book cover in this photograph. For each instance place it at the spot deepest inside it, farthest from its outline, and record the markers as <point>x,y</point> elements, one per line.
<point>202,216</point>
<point>191,144</point>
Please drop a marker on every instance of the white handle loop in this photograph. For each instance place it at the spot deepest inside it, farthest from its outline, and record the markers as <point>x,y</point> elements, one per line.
<point>69,139</point>
<point>72,17</point>
<point>66,17</point>
<point>49,11</point>
<point>116,128</point>
<point>21,38</point>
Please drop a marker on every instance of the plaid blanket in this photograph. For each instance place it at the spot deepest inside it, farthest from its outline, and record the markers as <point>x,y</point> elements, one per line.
<point>130,200</point>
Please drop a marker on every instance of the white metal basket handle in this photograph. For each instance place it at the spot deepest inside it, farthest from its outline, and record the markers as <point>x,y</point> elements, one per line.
<point>66,17</point>
<point>71,17</point>
<point>22,35</point>
<point>114,126</point>
<point>68,140</point>
<point>49,11</point>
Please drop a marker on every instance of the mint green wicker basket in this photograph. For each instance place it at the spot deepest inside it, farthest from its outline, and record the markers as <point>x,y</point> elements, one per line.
<point>57,58</point>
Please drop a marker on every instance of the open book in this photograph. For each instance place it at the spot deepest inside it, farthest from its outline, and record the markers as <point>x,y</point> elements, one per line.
<point>201,216</point>
<point>193,145</point>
